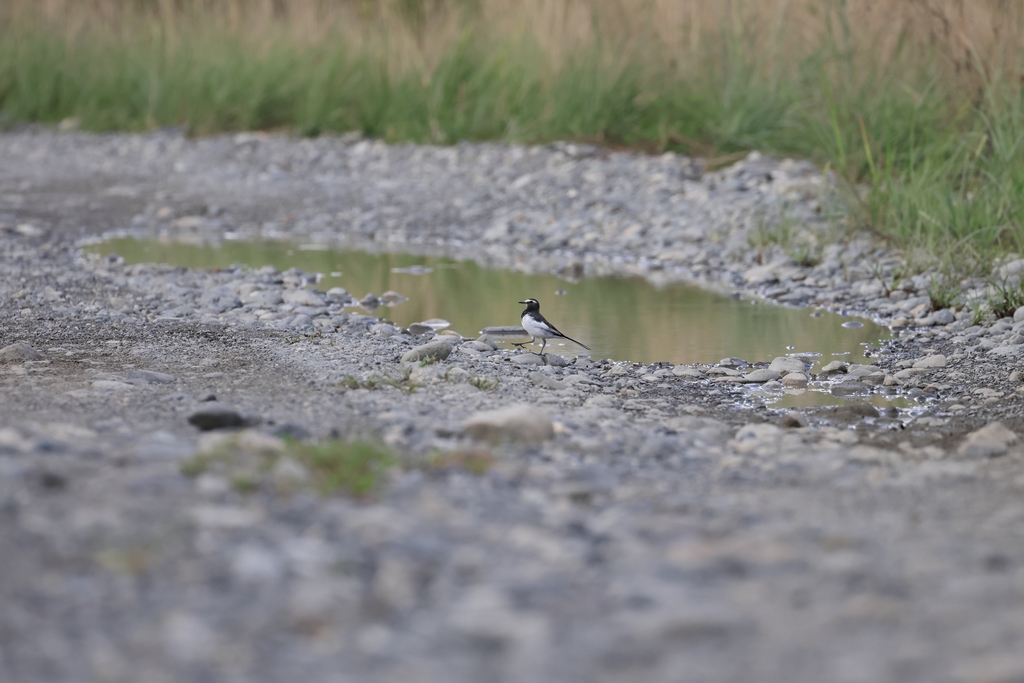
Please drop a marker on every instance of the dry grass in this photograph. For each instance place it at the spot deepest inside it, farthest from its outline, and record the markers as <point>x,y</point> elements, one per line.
<point>918,99</point>
<point>978,40</point>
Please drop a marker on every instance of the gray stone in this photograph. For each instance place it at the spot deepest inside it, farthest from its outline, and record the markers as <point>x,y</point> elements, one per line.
<point>149,377</point>
<point>555,360</point>
<point>370,301</point>
<point>836,366</point>
<point>786,364</point>
<point>518,423</point>
<point>430,352</point>
<point>991,441</point>
<point>18,352</point>
<point>416,329</point>
<point>1018,315</point>
<point>216,416</point>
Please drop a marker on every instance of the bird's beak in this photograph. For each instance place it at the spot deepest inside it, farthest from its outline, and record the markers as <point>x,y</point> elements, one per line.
<point>521,302</point>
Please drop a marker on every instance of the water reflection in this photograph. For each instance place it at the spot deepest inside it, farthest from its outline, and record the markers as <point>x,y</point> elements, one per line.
<point>619,318</point>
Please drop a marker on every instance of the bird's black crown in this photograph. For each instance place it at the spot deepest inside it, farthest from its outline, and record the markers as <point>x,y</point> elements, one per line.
<point>532,305</point>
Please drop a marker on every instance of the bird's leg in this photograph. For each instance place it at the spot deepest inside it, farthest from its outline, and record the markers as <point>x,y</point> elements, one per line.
<point>543,344</point>
<point>522,344</point>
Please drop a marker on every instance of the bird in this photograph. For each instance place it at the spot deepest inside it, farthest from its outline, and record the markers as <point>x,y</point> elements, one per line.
<point>539,328</point>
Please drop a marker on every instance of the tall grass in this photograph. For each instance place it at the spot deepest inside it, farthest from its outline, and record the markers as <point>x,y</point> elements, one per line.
<point>917,103</point>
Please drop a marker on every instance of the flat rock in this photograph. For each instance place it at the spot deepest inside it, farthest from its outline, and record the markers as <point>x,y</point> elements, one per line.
<point>991,441</point>
<point>518,424</point>
<point>430,352</point>
<point>18,352</point>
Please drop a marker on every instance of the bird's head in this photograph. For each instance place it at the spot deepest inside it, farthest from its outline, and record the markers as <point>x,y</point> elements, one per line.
<point>531,304</point>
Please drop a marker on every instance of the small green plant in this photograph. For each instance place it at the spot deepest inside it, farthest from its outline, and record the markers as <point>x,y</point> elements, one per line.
<point>979,311</point>
<point>248,460</point>
<point>403,383</point>
<point>483,383</point>
<point>891,282</point>
<point>944,292</point>
<point>806,255</point>
<point>1008,297</point>
<point>355,467</point>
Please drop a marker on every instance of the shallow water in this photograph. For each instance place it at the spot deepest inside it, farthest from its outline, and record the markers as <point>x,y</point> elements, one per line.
<point>619,318</point>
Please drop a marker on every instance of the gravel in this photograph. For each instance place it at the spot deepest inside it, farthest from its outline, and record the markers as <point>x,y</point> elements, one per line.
<point>548,519</point>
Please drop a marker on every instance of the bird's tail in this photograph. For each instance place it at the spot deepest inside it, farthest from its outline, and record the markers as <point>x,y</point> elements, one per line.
<point>576,342</point>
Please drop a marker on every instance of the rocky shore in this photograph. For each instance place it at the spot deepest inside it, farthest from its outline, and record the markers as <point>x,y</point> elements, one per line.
<point>531,518</point>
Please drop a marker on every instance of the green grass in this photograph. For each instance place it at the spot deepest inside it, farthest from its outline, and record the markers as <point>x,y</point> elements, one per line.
<point>941,166</point>
<point>356,468</point>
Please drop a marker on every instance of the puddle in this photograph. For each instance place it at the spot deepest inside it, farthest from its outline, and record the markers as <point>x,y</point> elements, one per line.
<point>619,318</point>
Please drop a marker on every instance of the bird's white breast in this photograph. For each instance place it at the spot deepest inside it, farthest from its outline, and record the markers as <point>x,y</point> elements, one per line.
<point>535,329</point>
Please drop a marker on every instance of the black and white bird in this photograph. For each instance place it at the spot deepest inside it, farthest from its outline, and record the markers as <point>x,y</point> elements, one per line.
<point>539,328</point>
